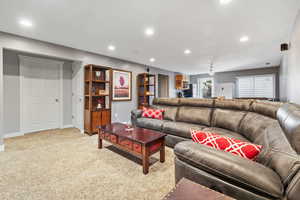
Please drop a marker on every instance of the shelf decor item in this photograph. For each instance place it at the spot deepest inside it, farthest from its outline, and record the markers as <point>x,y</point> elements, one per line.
<point>146,86</point>
<point>98,75</point>
<point>97,101</point>
<point>122,85</point>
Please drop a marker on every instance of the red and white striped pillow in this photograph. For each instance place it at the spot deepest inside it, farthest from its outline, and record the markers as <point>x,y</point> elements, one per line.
<point>153,113</point>
<point>234,146</point>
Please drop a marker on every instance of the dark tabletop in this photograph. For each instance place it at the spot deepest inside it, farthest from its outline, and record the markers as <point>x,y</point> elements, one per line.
<point>188,190</point>
<point>137,134</point>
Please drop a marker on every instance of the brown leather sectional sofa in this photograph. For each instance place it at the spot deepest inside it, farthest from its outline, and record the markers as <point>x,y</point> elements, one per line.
<point>275,126</point>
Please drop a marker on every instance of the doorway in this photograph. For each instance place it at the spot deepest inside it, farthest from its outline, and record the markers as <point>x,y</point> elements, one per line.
<point>163,85</point>
<point>206,87</point>
<point>40,94</point>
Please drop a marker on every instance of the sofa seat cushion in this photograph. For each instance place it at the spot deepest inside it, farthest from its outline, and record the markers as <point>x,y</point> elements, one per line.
<point>154,124</point>
<point>180,129</point>
<point>225,132</point>
<point>231,168</point>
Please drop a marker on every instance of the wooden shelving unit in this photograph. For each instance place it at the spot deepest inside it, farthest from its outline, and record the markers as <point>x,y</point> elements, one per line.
<point>146,89</point>
<point>97,102</point>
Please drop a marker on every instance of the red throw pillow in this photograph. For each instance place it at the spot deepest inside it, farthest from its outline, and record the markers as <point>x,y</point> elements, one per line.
<point>153,113</point>
<point>234,146</point>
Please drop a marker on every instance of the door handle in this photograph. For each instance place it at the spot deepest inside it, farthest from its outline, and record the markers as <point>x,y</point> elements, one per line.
<point>56,100</point>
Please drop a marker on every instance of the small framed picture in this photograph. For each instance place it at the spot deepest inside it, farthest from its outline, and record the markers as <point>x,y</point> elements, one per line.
<point>121,85</point>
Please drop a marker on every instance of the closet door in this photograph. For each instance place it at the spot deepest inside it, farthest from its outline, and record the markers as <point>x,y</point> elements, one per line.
<point>40,87</point>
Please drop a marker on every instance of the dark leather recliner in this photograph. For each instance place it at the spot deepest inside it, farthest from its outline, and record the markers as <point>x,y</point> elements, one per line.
<point>275,126</point>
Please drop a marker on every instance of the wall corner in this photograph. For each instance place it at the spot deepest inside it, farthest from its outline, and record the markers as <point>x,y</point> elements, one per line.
<point>1,100</point>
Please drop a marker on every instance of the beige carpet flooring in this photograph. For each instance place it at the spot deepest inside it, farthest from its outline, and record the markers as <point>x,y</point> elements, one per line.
<point>64,164</point>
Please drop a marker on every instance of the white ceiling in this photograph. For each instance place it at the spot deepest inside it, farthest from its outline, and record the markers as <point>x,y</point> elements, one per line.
<point>204,26</point>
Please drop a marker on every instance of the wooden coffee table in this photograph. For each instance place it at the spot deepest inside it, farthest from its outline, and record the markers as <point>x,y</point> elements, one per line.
<point>139,141</point>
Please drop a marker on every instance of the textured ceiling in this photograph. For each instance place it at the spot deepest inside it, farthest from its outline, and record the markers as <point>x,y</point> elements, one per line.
<point>209,29</point>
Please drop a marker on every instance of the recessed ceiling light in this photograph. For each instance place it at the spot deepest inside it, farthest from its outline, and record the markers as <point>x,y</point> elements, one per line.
<point>149,31</point>
<point>244,39</point>
<point>111,47</point>
<point>187,51</point>
<point>152,59</point>
<point>224,2</point>
<point>25,23</point>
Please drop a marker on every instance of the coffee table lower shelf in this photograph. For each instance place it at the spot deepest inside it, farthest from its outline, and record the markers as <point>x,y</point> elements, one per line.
<point>138,149</point>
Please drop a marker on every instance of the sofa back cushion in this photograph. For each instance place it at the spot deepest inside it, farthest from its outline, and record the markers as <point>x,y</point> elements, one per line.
<point>277,153</point>
<point>170,112</point>
<point>228,119</point>
<point>265,108</point>
<point>253,125</point>
<point>196,115</point>
<point>197,102</point>
<point>166,101</point>
<point>233,104</point>
<point>288,116</point>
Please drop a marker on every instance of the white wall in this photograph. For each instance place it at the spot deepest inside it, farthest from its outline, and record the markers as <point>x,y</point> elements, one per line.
<point>1,100</point>
<point>230,77</point>
<point>290,68</point>
<point>123,109</point>
<point>11,95</point>
<point>67,93</point>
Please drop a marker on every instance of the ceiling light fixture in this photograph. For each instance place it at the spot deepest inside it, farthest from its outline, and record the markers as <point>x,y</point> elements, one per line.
<point>187,51</point>
<point>111,47</point>
<point>244,39</point>
<point>152,60</point>
<point>211,69</point>
<point>224,2</point>
<point>25,23</point>
<point>149,31</point>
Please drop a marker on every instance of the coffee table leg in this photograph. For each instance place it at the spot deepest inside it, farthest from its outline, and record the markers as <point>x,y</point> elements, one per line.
<point>99,140</point>
<point>162,152</point>
<point>145,159</point>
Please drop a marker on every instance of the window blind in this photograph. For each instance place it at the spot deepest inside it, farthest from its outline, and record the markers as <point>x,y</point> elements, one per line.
<point>262,86</point>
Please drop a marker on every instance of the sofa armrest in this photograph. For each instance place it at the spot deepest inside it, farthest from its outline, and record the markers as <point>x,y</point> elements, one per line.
<point>230,167</point>
<point>135,114</point>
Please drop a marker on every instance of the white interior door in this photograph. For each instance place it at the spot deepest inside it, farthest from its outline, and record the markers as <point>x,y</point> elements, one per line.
<point>77,95</point>
<point>40,87</point>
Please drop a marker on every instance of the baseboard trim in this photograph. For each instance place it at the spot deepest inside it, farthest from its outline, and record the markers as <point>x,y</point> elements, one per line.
<point>16,134</point>
<point>68,126</point>
<point>2,147</point>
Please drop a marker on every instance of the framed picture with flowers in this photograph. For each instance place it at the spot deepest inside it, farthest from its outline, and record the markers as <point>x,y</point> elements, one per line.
<point>121,85</point>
